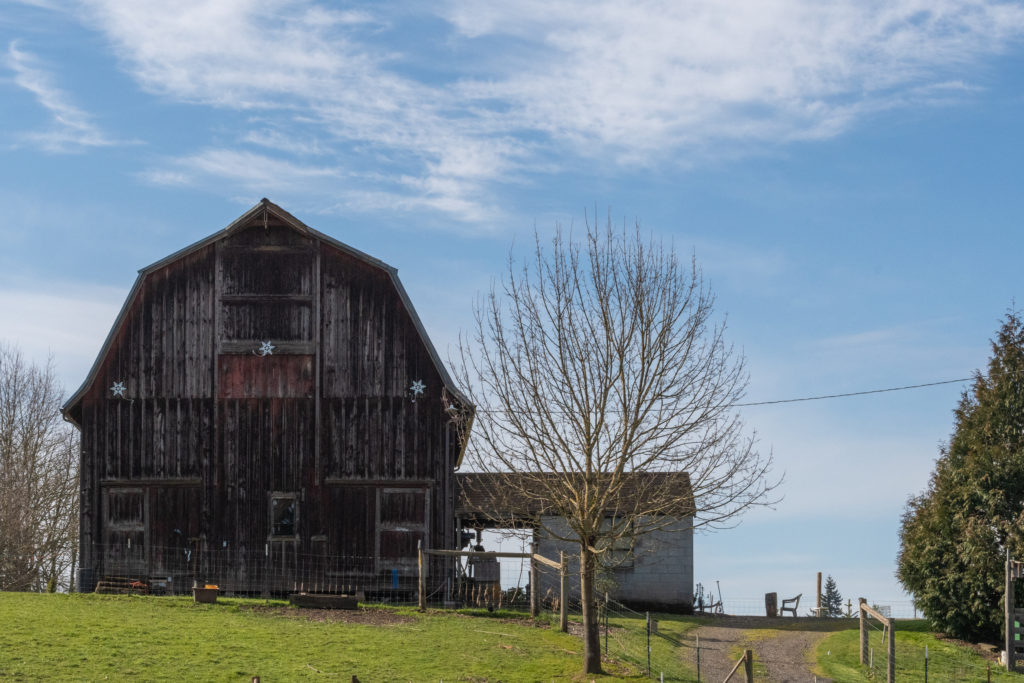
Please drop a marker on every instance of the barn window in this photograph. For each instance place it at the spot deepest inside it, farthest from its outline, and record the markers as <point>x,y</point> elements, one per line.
<point>284,515</point>
<point>125,508</point>
<point>618,549</point>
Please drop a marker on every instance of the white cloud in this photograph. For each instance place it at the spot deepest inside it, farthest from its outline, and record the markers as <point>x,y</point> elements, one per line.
<point>649,83</point>
<point>664,75</point>
<point>70,322</point>
<point>43,4</point>
<point>252,172</point>
<point>316,90</point>
<point>281,141</point>
<point>72,128</point>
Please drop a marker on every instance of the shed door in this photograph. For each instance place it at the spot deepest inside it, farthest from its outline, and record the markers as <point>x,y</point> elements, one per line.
<point>124,526</point>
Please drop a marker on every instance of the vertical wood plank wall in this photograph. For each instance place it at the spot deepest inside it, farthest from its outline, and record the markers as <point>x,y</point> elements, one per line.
<point>208,429</point>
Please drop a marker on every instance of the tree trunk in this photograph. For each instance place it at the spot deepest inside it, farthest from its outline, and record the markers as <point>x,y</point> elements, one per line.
<point>591,636</point>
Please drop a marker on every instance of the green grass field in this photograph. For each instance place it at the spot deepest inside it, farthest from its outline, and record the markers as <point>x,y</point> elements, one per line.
<point>838,657</point>
<point>96,637</point>
<point>90,637</point>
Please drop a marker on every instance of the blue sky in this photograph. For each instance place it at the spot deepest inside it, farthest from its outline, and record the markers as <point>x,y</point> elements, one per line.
<point>847,173</point>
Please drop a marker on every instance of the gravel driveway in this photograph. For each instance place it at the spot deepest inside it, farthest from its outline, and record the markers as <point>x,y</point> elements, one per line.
<point>786,655</point>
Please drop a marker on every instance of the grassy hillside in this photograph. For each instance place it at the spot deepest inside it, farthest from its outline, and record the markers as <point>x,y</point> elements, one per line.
<point>839,657</point>
<point>90,637</point>
<point>73,637</point>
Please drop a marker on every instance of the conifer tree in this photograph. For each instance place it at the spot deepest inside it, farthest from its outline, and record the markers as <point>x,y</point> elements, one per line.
<point>832,600</point>
<point>954,536</point>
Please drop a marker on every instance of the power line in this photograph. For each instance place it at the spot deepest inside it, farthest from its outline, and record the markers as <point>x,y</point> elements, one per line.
<point>852,393</point>
<point>798,400</point>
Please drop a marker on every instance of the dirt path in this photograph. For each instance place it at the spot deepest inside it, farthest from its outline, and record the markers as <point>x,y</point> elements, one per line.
<point>784,654</point>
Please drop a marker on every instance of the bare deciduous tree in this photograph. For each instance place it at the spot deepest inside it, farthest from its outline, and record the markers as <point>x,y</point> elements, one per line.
<point>604,391</point>
<point>38,479</point>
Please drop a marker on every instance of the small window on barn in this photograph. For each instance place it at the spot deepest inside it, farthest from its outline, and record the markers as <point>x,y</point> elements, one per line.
<point>619,546</point>
<point>284,515</point>
<point>125,508</point>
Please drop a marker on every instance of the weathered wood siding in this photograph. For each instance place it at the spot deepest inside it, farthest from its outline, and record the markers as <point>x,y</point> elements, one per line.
<point>208,430</point>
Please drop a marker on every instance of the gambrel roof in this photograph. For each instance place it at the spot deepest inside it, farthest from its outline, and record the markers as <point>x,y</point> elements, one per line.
<point>264,210</point>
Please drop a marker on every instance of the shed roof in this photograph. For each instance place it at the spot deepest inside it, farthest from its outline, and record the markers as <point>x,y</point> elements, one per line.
<point>487,497</point>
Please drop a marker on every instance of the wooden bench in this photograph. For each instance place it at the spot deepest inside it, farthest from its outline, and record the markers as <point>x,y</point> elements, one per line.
<point>790,605</point>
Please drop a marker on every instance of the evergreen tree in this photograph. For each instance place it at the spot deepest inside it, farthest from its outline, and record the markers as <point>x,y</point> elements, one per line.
<point>832,600</point>
<point>954,536</point>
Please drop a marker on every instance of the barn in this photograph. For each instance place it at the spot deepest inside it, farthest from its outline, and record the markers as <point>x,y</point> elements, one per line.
<point>267,413</point>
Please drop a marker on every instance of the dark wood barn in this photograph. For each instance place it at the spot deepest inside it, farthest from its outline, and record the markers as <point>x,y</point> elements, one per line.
<point>266,413</point>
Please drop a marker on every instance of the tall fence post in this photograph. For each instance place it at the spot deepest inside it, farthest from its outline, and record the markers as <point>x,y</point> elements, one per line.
<point>891,671</point>
<point>817,607</point>
<point>1008,600</point>
<point>606,623</point>
<point>563,608</point>
<point>748,665</point>
<point>863,632</point>
<point>698,659</point>
<point>648,615</point>
<point>422,583</point>
<point>534,601</point>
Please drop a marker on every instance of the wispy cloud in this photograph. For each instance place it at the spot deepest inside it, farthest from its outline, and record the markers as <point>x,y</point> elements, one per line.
<point>282,141</point>
<point>651,80</point>
<point>72,128</point>
<point>249,171</point>
<point>321,91</point>
<point>649,84</point>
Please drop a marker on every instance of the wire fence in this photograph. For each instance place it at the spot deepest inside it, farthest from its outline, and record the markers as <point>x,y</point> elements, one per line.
<point>631,638</point>
<point>947,661</point>
<point>752,607</point>
<point>636,640</point>
<point>272,569</point>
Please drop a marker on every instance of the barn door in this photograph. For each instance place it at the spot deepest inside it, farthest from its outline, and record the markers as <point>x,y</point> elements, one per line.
<point>402,522</point>
<point>124,542</point>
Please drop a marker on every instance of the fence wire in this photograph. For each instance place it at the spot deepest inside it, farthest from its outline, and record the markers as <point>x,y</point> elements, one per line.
<point>939,662</point>
<point>753,607</point>
<point>630,639</point>
<point>272,569</point>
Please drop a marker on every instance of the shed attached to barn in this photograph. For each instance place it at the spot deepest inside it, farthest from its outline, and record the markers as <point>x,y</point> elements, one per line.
<point>650,570</point>
<point>267,411</point>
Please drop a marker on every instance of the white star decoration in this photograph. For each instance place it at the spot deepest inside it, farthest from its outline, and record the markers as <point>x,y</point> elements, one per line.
<point>117,388</point>
<point>417,389</point>
<point>266,349</point>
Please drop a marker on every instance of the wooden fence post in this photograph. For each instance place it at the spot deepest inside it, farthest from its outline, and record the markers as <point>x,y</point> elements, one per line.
<point>534,602</point>
<point>748,665</point>
<point>817,607</point>
<point>1008,599</point>
<point>563,608</point>
<point>891,672</point>
<point>863,632</point>
<point>422,584</point>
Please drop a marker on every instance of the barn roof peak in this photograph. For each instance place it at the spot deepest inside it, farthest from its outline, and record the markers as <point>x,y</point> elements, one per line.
<point>263,211</point>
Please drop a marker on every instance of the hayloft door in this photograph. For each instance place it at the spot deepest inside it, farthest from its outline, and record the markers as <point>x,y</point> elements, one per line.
<point>124,542</point>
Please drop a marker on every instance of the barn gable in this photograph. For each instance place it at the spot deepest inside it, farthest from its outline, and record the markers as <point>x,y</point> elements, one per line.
<point>193,265</point>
